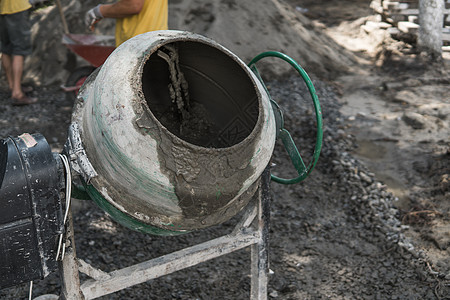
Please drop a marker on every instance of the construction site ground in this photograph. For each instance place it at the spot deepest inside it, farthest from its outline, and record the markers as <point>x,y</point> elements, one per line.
<point>371,221</point>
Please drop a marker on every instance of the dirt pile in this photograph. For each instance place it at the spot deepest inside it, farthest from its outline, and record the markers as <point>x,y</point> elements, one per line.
<point>237,25</point>
<point>273,25</point>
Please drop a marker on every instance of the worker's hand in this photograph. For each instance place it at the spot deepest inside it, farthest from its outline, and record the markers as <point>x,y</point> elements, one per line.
<point>93,16</point>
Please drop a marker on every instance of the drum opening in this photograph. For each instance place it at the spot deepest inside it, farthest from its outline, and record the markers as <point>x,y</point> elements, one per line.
<point>200,94</point>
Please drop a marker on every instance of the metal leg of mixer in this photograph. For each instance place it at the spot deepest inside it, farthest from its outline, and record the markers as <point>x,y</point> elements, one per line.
<point>252,230</point>
<point>260,250</point>
<point>68,267</point>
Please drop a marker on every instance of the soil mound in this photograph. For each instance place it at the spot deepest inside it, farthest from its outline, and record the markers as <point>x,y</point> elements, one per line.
<point>237,25</point>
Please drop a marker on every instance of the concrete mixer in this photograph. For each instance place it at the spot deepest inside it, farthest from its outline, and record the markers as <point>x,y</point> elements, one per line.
<point>172,134</point>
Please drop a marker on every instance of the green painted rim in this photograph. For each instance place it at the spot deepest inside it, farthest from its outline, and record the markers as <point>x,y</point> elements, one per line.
<point>123,218</point>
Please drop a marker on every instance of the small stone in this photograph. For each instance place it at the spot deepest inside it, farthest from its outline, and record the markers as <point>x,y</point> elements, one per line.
<point>274,294</point>
<point>412,82</point>
<point>365,177</point>
<point>392,85</point>
<point>444,183</point>
<point>414,120</point>
<point>406,97</point>
<point>341,272</point>
<point>106,258</point>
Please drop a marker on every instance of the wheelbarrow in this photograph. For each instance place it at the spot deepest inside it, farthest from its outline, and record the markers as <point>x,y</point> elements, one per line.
<point>95,49</point>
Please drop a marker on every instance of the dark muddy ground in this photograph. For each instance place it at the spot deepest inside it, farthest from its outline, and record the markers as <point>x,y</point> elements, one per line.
<point>340,234</point>
<point>336,235</point>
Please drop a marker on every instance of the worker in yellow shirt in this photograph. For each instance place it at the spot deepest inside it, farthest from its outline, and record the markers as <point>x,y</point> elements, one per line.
<point>15,44</point>
<point>133,17</point>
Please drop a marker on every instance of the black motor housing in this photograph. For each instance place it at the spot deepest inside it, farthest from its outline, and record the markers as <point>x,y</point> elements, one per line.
<point>31,218</point>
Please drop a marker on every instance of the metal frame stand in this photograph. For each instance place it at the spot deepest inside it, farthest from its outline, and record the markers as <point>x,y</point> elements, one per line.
<point>250,231</point>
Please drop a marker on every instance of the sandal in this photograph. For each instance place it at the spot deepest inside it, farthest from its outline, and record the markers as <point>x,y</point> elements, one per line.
<point>25,100</point>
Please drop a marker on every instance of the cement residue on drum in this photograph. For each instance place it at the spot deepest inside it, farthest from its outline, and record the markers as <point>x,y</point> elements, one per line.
<point>186,118</point>
<point>209,120</point>
<point>178,86</point>
<point>194,126</point>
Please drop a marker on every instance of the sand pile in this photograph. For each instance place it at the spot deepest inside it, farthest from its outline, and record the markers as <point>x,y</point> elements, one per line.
<point>241,26</point>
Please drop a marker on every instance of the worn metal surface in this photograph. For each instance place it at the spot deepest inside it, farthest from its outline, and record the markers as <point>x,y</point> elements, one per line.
<point>68,267</point>
<point>77,156</point>
<point>30,209</point>
<point>149,174</point>
<point>260,250</point>
<point>252,230</point>
<point>167,264</point>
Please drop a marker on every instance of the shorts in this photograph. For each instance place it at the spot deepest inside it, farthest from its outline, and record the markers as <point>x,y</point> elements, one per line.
<point>15,33</point>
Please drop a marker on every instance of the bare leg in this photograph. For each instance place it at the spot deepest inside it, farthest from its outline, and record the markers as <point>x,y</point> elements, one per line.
<point>17,70</point>
<point>13,65</point>
<point>7,66</point>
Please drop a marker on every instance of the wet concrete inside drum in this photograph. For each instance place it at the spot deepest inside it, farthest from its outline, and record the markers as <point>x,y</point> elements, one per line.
<point>200,94</point>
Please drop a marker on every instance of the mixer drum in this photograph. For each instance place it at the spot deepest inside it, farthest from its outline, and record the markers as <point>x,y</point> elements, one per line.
<point>172,133</point>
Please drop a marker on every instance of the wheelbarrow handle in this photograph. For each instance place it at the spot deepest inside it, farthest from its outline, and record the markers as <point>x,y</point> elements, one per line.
<point>296,159</point>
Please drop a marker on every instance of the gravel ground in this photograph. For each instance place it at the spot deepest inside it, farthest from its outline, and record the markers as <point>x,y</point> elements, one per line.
<point>334,236</point>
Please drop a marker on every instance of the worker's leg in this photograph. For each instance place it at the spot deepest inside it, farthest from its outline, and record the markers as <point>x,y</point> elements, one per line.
<point>6,49</point>
<point>7,66</point>
<point>17,70</point>
<point>17,39</point>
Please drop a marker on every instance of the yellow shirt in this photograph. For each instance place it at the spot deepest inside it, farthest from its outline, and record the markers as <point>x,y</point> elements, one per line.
<point>153,16</point>
<point>8,7</point>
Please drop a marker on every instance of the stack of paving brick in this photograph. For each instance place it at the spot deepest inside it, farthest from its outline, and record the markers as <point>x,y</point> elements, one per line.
<point>404,15</point>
